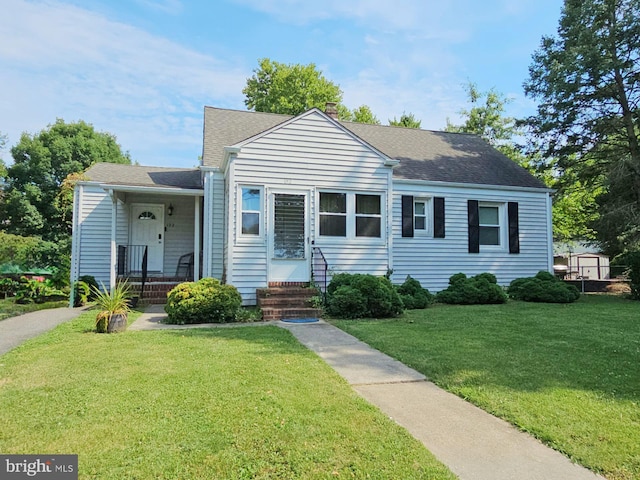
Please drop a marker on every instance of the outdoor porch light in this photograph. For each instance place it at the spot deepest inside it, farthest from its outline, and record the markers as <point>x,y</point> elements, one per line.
<point>170,209</point>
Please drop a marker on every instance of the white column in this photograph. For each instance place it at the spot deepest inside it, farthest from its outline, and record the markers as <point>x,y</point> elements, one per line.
<point>196,240</point>
<point>114,218</point>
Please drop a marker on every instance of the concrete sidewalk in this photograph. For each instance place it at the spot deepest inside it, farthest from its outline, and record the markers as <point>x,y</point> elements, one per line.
<point>15,330</point>
<point>472,443</point>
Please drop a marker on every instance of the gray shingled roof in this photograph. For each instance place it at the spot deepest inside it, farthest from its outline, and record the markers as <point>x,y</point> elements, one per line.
<point>138,175</point>
<point>423,154</point>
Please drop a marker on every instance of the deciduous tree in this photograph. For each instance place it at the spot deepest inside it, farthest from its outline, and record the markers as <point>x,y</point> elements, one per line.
<point>290,89</point>
<point>41,163</point>
<point>587,82</point>
<point>407,120</point>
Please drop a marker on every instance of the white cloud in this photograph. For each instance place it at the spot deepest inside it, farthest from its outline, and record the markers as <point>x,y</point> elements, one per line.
<point>64,61</point>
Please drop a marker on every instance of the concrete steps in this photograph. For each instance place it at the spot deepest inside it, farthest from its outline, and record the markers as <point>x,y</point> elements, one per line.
<point>287,302</point>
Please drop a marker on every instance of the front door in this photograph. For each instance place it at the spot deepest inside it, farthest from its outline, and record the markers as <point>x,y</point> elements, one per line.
<point>288,239</point>
<point>147,228</point>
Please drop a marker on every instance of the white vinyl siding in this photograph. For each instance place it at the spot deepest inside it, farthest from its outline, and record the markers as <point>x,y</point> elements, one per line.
<point>433,260</point>
<point>94,233</point>
<point>214,226</point>
<point>310,154</point>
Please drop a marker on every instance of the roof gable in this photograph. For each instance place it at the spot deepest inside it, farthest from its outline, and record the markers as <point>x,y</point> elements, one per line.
<point>423,155</point>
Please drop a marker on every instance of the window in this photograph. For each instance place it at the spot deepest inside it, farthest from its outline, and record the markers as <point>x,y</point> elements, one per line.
<point>368,217</point>
<point>420,216</point>
<point>146,216</point>
<point>350,215</point>
<point>333,214</point>
<point>489,222</point>
<point>251,208</point>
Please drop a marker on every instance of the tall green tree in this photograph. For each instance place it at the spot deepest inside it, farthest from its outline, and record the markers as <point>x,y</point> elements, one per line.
<point>486,117</point>
<point>41,163</point>
<point>574,208</point>
<point>587,82</point>
<point>407,120</point>
<point>290,89</point>
<point>363,114</point>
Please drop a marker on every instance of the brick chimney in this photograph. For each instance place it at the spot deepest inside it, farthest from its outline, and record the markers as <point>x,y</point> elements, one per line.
<point>331,109</point>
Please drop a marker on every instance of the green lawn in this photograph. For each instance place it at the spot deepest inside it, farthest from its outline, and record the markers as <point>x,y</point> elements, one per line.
<point>232,403</point>
<point>8,308</point>
<point>568,374</point>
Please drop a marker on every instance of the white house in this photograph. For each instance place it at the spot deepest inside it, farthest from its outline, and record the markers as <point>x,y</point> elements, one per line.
<point>278,195</point>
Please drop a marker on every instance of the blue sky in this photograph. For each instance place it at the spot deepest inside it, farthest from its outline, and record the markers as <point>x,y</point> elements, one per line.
<point>144,69</point>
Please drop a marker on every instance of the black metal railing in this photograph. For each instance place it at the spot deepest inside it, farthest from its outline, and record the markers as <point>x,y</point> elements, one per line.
<point>133,261</point>
<point>319,269</point>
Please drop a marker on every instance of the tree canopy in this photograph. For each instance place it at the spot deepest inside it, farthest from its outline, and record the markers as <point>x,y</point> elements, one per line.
<point>42,162</point>
<point>363,114</point>
<point>290,89</point>
<point>587,82</point>
<point>486,119</point>
<point>407,120</point>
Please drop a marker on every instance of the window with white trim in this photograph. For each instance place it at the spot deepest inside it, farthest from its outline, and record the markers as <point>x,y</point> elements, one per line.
<point>368,216</point>
<point>489,223</point>
<point>350,215</point>
<point>333,214</point>
<point>251,211</point>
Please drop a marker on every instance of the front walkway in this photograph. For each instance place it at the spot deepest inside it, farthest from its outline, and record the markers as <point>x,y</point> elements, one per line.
<point>15,330</point>
<point>472,443</point>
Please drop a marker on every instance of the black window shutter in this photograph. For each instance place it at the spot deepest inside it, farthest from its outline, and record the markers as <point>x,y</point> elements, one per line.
<point>514,229</point>
<point>474,226</point>
<point>438,217</point>
<point>407,216</point>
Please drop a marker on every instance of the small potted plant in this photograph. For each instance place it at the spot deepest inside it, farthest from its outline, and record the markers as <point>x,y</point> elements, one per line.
<point>114,308</point>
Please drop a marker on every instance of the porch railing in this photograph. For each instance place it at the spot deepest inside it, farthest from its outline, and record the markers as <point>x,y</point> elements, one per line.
<point>320,269</point>
<point>132,261</point>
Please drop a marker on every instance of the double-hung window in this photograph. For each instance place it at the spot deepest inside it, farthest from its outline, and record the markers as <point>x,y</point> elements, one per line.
<point>333,214</point>
<point>420,224</point>
<point>368,216</point>
<point>251,205</point>
<point>350,215</point>
<point>489,222</point>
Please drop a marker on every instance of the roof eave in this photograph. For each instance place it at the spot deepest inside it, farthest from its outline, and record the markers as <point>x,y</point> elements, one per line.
<point>475,185</point>
<point>192,192</point>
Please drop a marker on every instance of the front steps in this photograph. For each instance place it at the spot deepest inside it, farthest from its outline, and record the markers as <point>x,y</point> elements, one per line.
<point>155,289</point>
<point>287,301</point>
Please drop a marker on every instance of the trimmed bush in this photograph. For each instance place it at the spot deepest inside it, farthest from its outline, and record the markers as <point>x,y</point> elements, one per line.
<point>81,292</point>
<point>481,289</point>
<point>204,301</point>
<point>413,295</point>
<point>366,296</point>
<point>544,287</point>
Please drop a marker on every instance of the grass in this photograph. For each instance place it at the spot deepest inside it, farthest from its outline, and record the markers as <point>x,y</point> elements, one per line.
<point>8,307</point>
<point>233,403</point>
<point>568,374</point>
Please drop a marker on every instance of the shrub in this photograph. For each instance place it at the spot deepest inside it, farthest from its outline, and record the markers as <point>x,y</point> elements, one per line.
<point>81,292</point>
<point>377,294</point>
<point>544,287</point>
<point>8,287</point>
<point>413,295</point>
<point>632,261</point>
<point>481,289</point>
<point>204,301</point>
<point>93,285</point>
<point>37,290</point>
